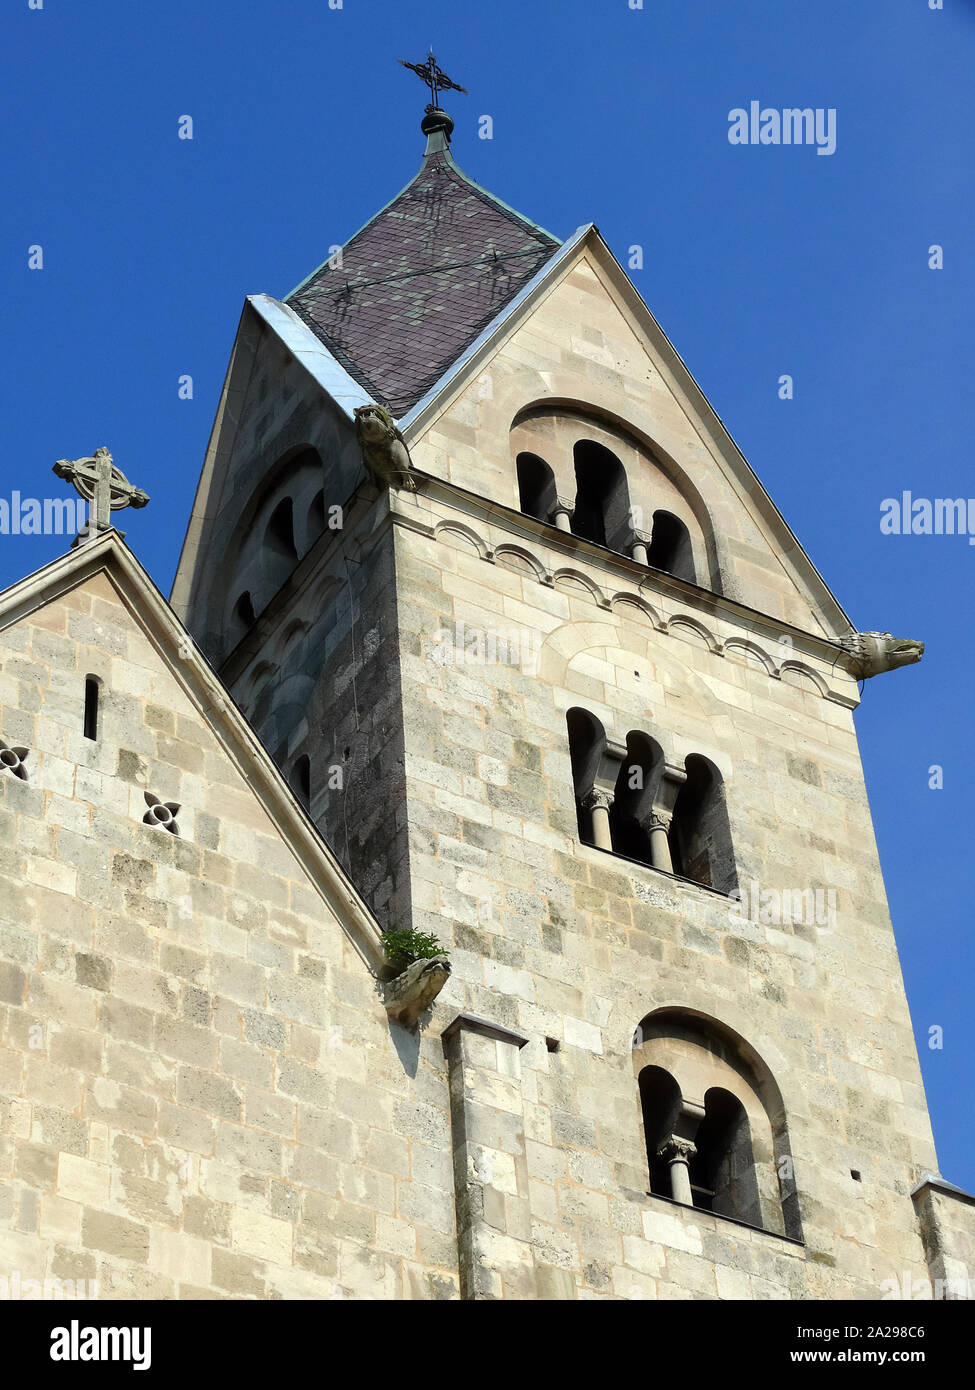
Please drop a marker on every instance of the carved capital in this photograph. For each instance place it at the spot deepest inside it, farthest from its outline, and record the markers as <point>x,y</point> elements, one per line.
<point>563,504</point>
<point>595,799</point>
<point>658,820</point>
<point>677,1150</point>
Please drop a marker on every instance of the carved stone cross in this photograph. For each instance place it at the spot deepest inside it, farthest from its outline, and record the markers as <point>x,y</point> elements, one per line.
<point>103,486</point>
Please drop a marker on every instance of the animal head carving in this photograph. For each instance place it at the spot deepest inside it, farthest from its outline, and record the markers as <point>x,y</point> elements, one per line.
<point>872,653</point>
<point>415,989</point>
<point>374,424</point>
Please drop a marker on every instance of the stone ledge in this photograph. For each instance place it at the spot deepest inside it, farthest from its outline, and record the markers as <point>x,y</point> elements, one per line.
<point>473,1023</point>
<point>584,851</point>
<point>938,1184</point>
<point>700,1213</point>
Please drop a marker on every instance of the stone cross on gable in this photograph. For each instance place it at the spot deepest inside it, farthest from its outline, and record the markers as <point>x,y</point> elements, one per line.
<point>103,486</point>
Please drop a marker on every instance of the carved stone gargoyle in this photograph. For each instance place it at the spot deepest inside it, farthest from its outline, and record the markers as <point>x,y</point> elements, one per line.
<point>384,450</point>
<point>415,989</point>
<point>871,653</point>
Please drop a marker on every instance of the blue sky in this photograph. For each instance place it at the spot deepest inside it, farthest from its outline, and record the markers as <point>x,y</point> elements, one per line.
<point>758,261</point>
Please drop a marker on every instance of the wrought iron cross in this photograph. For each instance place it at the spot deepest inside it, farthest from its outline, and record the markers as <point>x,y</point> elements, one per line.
<point>103,486</point>
<point>435,78</point>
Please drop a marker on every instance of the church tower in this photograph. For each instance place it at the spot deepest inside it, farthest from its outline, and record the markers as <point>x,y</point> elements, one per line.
<point>484,629</point>
<point>577,702</point>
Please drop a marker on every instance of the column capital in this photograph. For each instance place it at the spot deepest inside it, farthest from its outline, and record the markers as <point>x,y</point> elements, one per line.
<point>596,799</point>
<point>657,819</point>
<point>677,1150</point>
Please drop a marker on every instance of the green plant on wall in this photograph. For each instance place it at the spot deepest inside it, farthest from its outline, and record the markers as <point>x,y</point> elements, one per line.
<point>404,947</point>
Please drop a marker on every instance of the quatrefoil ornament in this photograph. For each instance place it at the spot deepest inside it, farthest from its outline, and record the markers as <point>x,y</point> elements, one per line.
<point>12,760</point>
<point>161,813</point>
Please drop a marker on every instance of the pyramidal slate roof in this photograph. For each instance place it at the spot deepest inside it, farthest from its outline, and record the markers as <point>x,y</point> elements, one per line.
<point>422,279</point>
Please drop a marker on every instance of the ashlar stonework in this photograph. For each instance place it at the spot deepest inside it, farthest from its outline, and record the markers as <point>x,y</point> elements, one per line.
<point>672,1058</point>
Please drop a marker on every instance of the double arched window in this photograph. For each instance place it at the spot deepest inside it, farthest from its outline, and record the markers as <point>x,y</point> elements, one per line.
<point>632,800</point>
<point>713,1122</point>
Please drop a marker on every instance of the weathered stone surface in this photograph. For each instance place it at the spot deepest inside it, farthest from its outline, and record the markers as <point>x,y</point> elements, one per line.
<point>200,1091</point>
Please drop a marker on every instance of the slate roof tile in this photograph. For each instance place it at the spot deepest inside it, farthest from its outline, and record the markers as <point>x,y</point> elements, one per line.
<point>420,281</point>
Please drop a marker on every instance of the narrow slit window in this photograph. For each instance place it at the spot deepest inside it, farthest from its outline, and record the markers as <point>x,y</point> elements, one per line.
<point>92,687</point>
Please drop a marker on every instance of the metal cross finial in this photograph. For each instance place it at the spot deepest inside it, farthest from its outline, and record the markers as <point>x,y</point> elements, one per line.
<point>435,78</point>
<point>103,486</point>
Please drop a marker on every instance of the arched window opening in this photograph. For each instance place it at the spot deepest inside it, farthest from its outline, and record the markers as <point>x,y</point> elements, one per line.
<point>92,693</point>
<point>587,738</point>
<point>713,1122</point>
<point>700,833</point>
<point>660,1103</point>
<point>602,506</point>
<point>670,547</point>
<point>301,780</point>
<point>536,487</point>
<point>723,1169</point>
<point>279,537</point>
<point>244,613</point>
<point>634,795</point>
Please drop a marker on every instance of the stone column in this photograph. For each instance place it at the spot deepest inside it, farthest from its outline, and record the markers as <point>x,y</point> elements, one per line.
<point>598,802</point>
<point>487,1124</point>
<point>657,825</point>
<point>638,549</point>
<point>562,513</point>
<point>678,1153</point>
<point>657,821</point>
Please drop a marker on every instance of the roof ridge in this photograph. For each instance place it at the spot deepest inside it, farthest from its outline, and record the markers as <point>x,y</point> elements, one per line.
<point>494,201</point>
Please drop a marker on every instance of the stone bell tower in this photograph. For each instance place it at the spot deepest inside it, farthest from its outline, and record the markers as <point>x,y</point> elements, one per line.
<point>577,702</point>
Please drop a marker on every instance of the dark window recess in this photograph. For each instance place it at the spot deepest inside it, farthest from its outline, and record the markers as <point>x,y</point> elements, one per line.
<point>244,610</point>
<point>280,534</point>
<point>670,547</point>
<point>536,487</point>
<point>301,780</point>
<point>700,834</point>
<point>92,687</point>
<point>602,506</point>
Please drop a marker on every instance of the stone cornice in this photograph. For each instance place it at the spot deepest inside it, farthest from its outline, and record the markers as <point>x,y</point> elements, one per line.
<point>474,514</point>
<point>934,1183</point>
<point>473,1023</point>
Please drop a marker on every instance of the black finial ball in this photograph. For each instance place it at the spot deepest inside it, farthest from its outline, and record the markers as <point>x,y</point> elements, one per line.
<point>435,119</point>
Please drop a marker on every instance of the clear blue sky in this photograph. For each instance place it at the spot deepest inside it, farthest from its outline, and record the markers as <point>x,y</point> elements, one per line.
<point>758,261</point>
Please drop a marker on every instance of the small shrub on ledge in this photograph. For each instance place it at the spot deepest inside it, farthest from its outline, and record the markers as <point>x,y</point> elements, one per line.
<point>404,948</point>
<point>420,970</point>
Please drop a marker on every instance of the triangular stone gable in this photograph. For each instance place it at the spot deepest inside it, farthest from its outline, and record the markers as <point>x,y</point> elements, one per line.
<point>169,729</point>
<point>582,337</point>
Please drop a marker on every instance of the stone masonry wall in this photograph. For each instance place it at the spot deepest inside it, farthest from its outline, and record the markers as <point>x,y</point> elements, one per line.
<point>199,1092</point>
<point>555,939</point>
